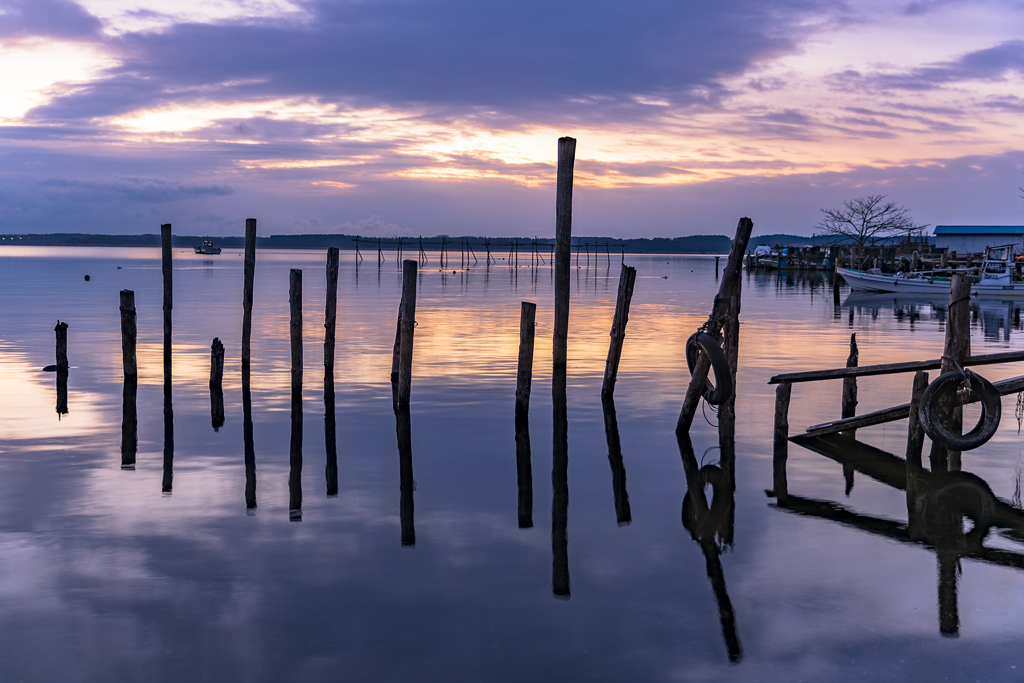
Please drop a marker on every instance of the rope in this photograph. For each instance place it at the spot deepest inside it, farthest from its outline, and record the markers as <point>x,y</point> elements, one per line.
<point>703,404</point>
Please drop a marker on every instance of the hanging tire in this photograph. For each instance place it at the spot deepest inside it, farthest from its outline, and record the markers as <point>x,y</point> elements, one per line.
<point>931,420</point>
<point>722,390</point>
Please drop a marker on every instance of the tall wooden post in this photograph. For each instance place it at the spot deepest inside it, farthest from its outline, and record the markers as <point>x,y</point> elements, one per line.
<point>216,384</point>
<point>295,451</point>
<point>955,352</point>
<point>249,273</point>
<point>295,327</point>
<point>408,329</point>
<point>563,244</point>
<point>849,407</point>
<point>524,376</point>
<point>61,331</point>
<point>781,439</point>
<point>627,276</point>
<point>330,319</point>
<point>165,247</point>
<point>719,314</point>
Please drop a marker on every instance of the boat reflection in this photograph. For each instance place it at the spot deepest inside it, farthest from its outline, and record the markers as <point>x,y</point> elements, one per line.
<point>937,505</point>
<point>994,317</point>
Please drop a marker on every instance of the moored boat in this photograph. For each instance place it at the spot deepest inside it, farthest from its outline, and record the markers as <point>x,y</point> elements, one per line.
<point>207,248</point>
<point>995,277</point>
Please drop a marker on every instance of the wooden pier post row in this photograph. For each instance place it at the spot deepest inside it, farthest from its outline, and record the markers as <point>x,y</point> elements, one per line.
<point>719,314</point>
<point>627,276</point>
<point>563,244</point>
<point>216,384</point>
<point>524,375</point>
<point>165,248</point>
<point>330,319</point>
<point>408,327</point>
<point>956,350</point>
<point>249,273</point>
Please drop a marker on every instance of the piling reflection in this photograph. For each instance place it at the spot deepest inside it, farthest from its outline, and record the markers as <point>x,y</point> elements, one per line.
<point>611,432</point>
<point>407,485</point>
<point>129,425</point>
<point>559,487</point>
<point>250,448</point>
<point>524,470</point>
<point>295,461</point>
<point>330,442</point>
<point>711,525</point>
<point>938,504</point>
<point>62,392</point>
<point>168,477</point>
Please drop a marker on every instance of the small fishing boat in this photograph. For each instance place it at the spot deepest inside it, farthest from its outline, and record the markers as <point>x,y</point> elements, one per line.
<point>207,248</point>
<point>995,277</point>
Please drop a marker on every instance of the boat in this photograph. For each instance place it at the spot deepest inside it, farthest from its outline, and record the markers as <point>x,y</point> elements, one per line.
<point>207,248</point>
<point>995,277</point>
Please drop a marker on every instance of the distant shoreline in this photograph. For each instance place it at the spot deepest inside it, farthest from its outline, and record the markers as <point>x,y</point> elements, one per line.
<point>691,244</point>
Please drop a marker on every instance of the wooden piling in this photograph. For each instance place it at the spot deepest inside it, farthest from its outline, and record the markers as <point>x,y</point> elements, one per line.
<point>330,319</point>
<point>915,431</point>
<point>563,244</point>
<point>781,439</point>
<point>849,408</point>
<point>408,328</point>
<point>716,265</point>
<point>524,376</point>
<point>128,335</point>
<point>295,327</point>
<point>249,273</point>
<point>397,351</point>
<point>955,352</point>
<point>719,314</point>
<point>627,276</point>
<point>61,333</point>
<point>165,248</point>
<point>216,384</point>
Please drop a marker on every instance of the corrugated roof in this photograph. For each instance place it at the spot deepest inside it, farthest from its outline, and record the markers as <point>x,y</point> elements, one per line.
<point>979,229</point>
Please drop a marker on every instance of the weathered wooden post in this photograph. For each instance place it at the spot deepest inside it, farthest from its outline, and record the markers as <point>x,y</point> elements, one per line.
<point>524,376</point>
<point>781,440</point>
<point>627,276</point>
<point>396,354</point>
<point>330,318</point>
<point>955,352</point>
<point>849,406</point>
<point>623,515</point>
<point>915,431</point>
<point>248,275</point>
<point>408,330</point>
<point>563,244</point>
<point>61,331</point>
<point>129,410</point>
<point>524,470</point>
<point>128,335</point>
<point>719,313</point>
<point>295,451</point>
<point>216,384</point>
<point>165,249</point>
<point>716,266</point>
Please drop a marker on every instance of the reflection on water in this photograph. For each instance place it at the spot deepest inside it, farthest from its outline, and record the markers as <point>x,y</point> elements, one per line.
<point>185,587</point>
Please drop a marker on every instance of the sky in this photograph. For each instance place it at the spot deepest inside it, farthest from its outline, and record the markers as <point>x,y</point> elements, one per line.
<point>425,117</point>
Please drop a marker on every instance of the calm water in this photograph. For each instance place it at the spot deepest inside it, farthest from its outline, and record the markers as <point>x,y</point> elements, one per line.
<point>105,575</point>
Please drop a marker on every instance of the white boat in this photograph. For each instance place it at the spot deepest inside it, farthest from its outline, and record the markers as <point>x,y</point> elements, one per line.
<point>994,278</point>
<point>207,248</point>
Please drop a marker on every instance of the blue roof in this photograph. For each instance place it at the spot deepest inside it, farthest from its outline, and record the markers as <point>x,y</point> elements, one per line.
<point>979,229</point>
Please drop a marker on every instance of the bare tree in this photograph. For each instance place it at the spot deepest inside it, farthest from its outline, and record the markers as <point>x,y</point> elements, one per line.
<point>868,220</point>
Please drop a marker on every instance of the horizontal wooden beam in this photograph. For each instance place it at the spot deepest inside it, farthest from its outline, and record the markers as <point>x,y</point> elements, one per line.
<point>892,368</point>
<point>1006,386</point>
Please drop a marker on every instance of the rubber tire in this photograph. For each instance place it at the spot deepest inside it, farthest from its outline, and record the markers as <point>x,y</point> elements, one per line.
<point>991,408</point>
<point>722,390</point>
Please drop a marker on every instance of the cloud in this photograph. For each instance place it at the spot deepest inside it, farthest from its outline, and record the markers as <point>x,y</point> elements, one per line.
<point>46,18</point>
<point>146,190</point>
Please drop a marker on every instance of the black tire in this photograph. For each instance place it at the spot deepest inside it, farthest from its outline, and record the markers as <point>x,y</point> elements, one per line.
<point>722,390</point>
<point>991,408</point>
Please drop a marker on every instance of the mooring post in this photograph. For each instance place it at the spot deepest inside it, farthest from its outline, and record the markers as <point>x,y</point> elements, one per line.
<point>955,352</point>
<point>408,327</point>
<point>727,411</point>
<point>781,440</point>
<point>216,384</point>
<point>61,330</point>
<point>165,247</point>
<point>524,375</point>
<point>129,410</point>
<point>563,244</point>
<point>128,335</point>
<point>248,274</point>
<point>330,318</point>
<point>627,276</point>
<point>295,327</point>
<point>850,384</point>
<point>716,266</point>
<point>731,279</point>
<point>397,351</point>
<point>295,451</point>
<point>915,443</point>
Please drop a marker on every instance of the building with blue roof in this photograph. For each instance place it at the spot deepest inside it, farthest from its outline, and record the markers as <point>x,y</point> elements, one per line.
<point>973,239</point>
